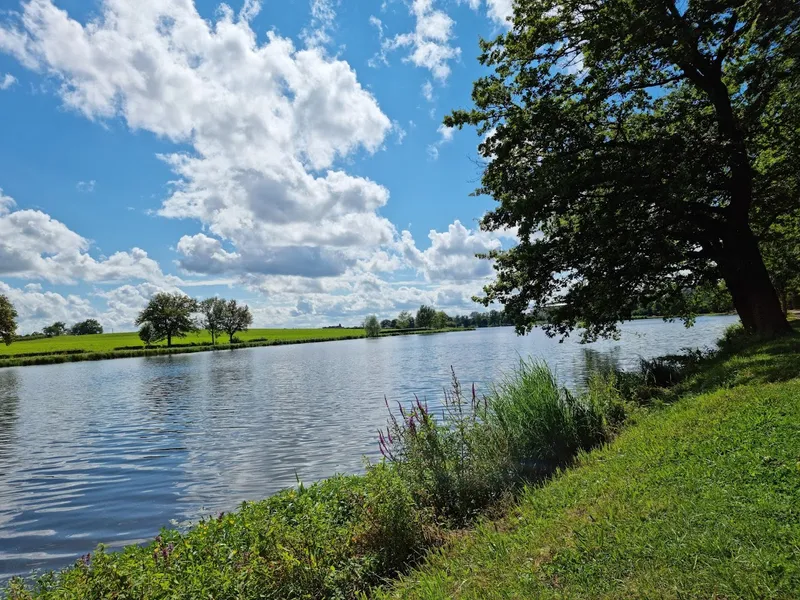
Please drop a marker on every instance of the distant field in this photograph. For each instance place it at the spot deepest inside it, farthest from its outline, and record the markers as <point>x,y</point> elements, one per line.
<point>107,342</point>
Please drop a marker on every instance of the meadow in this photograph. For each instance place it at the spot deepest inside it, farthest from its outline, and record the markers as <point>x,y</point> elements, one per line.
<point>71,348</point>
<point>106,342</point>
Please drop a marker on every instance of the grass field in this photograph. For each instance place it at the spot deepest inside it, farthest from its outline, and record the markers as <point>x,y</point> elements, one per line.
<point>699,500</point>
<point>107,342</point>
<point>69,348</point>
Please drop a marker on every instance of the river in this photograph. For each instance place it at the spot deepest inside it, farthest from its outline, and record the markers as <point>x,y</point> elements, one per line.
<point>112,451</point>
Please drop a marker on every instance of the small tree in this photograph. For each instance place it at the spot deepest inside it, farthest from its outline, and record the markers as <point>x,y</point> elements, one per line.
<point>235,318</point>
<point>441,320</point>
<point>170,315</point>
<point>87,327</point>
<point>147,333</point>
<point>404,320</point>
<point>8,320</point>
<point>212,314</point>
<point>56,329</point>
<point>425,316</point>
<point>372,326</point>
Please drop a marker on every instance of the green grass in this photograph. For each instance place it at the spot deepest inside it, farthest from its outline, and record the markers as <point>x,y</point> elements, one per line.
<point>107,342</point>
<point>70,348</point>
<point>698,500</point>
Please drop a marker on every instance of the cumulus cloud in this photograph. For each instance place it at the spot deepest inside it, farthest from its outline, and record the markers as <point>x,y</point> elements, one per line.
<point>451,255</point>
<point>265,122</point>
<point>499,11</point>
<point>33,245</point>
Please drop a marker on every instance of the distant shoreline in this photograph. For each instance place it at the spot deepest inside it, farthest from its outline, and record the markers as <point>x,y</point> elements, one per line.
<point>79,355</point>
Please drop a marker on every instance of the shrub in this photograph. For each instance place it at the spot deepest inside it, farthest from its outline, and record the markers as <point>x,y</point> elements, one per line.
<point>454,467</point>
<point>372,326</point>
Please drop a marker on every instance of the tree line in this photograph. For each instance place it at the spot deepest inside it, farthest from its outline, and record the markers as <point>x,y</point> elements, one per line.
<point>168,316</point>
<point>427,317</point>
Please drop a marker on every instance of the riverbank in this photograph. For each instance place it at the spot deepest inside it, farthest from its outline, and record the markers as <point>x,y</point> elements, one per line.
<point>68,348</point>
<point>346,535</point>
<point>696,500</point>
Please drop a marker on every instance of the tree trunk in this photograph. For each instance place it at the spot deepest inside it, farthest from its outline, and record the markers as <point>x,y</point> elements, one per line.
<point>169,340</point>
<point>748,281</point>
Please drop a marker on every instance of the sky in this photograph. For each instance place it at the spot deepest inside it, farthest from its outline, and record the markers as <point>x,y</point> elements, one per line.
<point>287,154</point>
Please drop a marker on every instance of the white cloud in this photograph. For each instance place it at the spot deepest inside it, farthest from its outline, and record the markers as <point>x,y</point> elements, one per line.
<point>498,11</point>
<point>86,186</point>
<point>265,121</point>
<point>6,81</point>
<point>33,245</point>
<point>445,135</point>
<point>451,255</point>
<point>323,20</point>
<point>429,44</point>
<point>427,91</point>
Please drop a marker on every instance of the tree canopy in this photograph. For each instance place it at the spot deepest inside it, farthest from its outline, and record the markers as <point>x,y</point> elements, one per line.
<point>56,329</point>
<point>636,146</point>
<point>212,315</point>
<point>235,318</point>
<point>8,320</point>
<point>371,326</point>
<point>170,315</point>
<point>87,327</point>
<point>425,316</point>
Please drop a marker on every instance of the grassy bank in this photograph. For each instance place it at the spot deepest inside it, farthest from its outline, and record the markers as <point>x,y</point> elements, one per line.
<point>698,500</point>
<point>696,497</point>
<point>70,348</point>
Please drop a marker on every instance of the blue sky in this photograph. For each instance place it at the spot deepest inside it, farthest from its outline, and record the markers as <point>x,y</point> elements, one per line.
<point>288,154</point>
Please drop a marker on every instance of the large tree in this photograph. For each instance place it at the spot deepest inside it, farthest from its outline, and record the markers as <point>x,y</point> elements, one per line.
<point>8,320</point>
<point>625,141</point>
<point>170,315</point>
<point>235,318</point>
<point>212,315</point>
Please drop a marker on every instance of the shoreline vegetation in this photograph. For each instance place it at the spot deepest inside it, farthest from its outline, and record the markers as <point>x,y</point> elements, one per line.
<point>677,480</point>
<point>64,349</point>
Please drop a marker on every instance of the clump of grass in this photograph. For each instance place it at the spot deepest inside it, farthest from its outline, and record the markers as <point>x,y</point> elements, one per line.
<point>483,448</point>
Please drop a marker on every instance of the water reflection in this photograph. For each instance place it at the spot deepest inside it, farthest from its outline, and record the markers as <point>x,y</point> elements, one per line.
<point>112,451</point>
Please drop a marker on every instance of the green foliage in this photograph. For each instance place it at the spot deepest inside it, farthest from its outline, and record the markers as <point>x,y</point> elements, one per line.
<point>425,316</point>
<point>8,320</point>
<point>372,327</point>
<point>235,318</point>
<point>148,334</point>
<point>170,315</point>
<point>405,320</point>
<point>634,145</point>
<point>333,539</point>
<point>87,327</point>
<point>544,426</point>
<point>212,316</point>
<point>56,329</point>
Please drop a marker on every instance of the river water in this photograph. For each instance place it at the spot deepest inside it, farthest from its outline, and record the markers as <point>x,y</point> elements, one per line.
<point>112,451</point>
